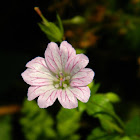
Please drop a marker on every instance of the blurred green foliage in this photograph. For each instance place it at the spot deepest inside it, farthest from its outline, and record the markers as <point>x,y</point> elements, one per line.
<point>68,123</point>
<point>114,98</point>
<point>133,126</point>
<point>5,128</point>
<point>36,123</point>
<point>98,133</point>
<point>40,124</point>
<point>79,51</point>
<point>75,20</point>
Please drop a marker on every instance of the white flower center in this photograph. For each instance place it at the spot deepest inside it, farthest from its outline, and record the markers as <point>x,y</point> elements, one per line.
<point>63,81</point>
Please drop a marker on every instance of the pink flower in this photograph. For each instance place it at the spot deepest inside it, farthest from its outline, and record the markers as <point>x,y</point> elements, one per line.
<point>62,74</point>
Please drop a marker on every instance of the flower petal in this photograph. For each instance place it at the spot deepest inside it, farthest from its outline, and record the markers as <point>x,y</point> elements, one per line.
<point>52,57</point>
<point>48,98</point>
<point>38,64</point>
<point>83,77</point>
<point>74,65</point>
<point>81,93</point>
<point>35,91</point>
<point>67,99</point>
<point>67,52</point>
<point>36,78</point>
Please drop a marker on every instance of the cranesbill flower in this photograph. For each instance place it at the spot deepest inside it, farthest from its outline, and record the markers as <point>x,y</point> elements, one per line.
<point>62,74</point>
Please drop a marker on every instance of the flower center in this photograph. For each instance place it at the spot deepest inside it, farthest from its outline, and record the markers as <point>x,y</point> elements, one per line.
<point>62,81</point>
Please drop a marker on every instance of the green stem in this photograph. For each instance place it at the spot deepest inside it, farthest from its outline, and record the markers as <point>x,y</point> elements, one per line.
<point>112,114</point>
<point>119,120</point>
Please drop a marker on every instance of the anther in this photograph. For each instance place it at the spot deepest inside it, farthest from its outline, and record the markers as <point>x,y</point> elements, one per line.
<point>68,78</point>
<point>64,79</point>
<point>64,85</point>
<point>57,76</point>
<point>61,74</point>
<point>60,83</point>
<point>57,85</point>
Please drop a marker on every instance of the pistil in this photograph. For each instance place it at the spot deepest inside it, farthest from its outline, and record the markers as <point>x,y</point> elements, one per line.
<point>62,82</point>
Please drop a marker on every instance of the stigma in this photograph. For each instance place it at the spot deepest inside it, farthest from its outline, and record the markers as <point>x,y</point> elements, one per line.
<point>62,81</point>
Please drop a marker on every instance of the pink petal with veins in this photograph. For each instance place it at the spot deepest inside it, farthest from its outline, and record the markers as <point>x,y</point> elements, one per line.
<point>67,99</point>
<point>74,65</point>
<point>52,57</point>
<point>38,64</point>
<point>81,93</point>
<point>67,52</point>
<point>35,91</point>
<point>82,78</point>
<point>48,98</point>
<point>36,78</point>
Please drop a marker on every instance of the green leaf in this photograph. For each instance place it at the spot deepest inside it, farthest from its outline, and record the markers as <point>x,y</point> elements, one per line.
<point>135,137</point>
<point>91,85</point>
<point>99,106</point>
<point>108,123</point>
<point>60,24</point>
<point>74,137</point>
<point>36,123</point>
<point>81,106</point>
<point>96,133</point>
<point>93,88</point>
<point>125,138</point>
<point>112,97</point>
<point>75,20</point>
<point>99,134</point>
<point>52,32</point>
<point>5,128</point>
<point>99,103</point>
<point>68,122</point>
<point>79,51</point>
<point>133,126</point>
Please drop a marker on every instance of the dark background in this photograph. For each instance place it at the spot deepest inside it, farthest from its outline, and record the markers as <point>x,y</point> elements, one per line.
<point>22,40</point>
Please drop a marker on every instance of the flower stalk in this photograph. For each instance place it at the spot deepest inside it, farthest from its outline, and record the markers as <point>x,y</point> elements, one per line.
<point>38,11</point>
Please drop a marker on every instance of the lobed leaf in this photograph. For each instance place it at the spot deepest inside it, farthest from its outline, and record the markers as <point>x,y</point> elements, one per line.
<point>112,97</point>
<point>99,103</point>
<point>52,32</point>
<point>133,126</point>
<point>68,122</point>
<point>99,134</point>
<point>36,123</point>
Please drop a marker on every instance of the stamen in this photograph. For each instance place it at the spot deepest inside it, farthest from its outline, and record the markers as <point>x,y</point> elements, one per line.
<point>64,85</point>
<point>61,74</point>
<point>60,83</point>
<point>57,85</point>
<point>57,76</point>
<point>68,78</point>
<point>64,79</point>
<point>60,77</point>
